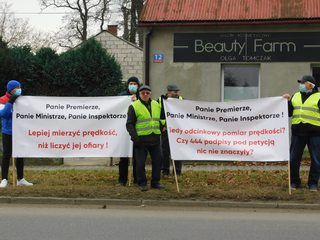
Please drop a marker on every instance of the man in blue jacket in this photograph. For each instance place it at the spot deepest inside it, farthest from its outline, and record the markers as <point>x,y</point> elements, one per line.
<point>13,92</point>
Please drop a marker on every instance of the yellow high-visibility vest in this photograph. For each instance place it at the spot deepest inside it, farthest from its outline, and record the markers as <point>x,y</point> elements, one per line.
<point>147,123</point>
<point>307,112</point>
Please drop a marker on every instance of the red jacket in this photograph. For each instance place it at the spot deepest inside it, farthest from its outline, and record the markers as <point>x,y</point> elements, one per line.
<point>5,98</point>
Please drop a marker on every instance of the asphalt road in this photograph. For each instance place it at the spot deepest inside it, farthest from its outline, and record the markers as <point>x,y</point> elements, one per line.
<point>46,222</point>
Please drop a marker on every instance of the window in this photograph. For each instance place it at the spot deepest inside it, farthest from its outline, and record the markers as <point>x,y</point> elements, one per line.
<point>316,73</point>
<point>240,82</point>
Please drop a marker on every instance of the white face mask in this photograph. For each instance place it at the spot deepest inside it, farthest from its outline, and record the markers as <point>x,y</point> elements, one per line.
<point>302,87</point>
<point>18,92</point>
<point>133,88</point>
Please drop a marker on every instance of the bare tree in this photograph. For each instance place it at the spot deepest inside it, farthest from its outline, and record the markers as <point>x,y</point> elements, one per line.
<point>131,10</point>
<point>13,30</point>
<point>139,6</point>
<point>84,13</point>
<point>101,14</point>
<point>125,11</point>
<point>18,32</point>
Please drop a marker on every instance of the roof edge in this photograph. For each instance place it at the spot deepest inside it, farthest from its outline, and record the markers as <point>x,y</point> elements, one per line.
<point>230,23</point>
<point>120,38</point>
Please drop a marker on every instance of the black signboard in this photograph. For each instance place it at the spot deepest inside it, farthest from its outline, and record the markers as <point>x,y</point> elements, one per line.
<point>247,47</point>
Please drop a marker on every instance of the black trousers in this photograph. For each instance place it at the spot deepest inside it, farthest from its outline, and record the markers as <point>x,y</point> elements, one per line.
<point>166,156</point>
<point>141,153</point>
<point>123,170</point>
<point>7,153</point>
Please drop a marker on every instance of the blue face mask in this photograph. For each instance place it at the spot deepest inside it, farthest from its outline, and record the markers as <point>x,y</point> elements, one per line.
<point>18,92</point>
<point>302,88</point>
<point>133,88</point>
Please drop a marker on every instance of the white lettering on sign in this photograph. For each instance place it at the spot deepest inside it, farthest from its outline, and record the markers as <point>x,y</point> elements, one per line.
<point>239,48</point>
<point>274,46</point>
<point>219,47</point>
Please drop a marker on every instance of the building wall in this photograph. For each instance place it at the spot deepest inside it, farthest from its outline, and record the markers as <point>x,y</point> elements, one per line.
<point>203,81</point>
<point>129,56</point>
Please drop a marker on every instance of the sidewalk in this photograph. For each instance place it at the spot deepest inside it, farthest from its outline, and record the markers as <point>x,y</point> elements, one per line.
<point>106,203</point>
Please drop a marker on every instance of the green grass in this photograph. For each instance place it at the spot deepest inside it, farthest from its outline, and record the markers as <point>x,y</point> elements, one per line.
<point>223,185</point>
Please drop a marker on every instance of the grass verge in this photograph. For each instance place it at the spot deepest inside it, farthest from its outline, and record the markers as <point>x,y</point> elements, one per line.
<point>194,185</point>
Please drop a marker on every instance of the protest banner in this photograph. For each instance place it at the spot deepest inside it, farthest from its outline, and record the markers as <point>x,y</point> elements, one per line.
<point>250,130</point>
<point>71,127</point>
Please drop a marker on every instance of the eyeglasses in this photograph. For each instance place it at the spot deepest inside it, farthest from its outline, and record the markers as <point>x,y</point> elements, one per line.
<point>145,93</point>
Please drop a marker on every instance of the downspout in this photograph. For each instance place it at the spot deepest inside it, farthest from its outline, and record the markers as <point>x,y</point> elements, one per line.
<point>147,58</point>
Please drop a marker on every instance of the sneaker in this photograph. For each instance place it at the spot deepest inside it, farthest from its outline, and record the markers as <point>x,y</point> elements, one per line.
<point>23,182</point>
<point>313,188</point>
<point>4,183</point>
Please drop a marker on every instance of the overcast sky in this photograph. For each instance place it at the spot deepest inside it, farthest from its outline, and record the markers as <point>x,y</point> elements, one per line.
<point>30,9</point>
<point>50,21</point>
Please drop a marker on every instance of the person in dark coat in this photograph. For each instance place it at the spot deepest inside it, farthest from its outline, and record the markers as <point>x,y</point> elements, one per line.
<point>172,92</point>
<point>133,85</point>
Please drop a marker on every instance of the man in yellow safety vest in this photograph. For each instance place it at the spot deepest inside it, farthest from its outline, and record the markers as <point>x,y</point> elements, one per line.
<point>304,107</point>
<point>143,125</point>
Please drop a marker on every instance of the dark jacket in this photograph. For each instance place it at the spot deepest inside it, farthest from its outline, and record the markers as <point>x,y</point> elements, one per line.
<point>304,129</point>
<point>160,101</point>
<point>125,93</point>
<point>148,140</point>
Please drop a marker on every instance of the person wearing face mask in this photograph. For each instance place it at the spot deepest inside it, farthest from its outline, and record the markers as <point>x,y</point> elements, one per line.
<point>304,108</point>
<point>13,92</point>
<point>172,92</point>
<point>133,85</point>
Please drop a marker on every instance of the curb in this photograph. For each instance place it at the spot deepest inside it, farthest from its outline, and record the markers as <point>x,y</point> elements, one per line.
<point>104,203</point>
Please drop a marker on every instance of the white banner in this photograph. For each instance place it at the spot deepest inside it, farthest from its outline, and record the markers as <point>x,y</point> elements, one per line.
<point>71,127</point>
<point>251,130</point>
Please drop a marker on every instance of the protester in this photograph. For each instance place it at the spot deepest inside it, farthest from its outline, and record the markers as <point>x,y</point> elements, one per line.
<point>143,125</point>
<point>172,92</point>
<point>133,85</point>
<point>13,92</point>
<point>304,107</point>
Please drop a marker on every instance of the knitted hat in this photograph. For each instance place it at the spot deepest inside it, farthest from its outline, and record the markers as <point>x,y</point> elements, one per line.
<point>133,79</point>
<point>12,84</point>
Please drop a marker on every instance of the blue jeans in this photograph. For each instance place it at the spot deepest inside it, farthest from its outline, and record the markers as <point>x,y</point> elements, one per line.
<point>141,153</point>
<point>298,144</point>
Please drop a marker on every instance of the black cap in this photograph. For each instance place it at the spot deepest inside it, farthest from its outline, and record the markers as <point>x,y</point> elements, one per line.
<point>145,87</point>
<point>307,78</point>
<point>172,87</point>
<point>133,79</point>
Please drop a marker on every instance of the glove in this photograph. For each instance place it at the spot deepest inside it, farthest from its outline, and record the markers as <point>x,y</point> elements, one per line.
<point>13,98</point>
